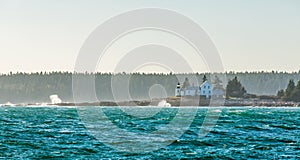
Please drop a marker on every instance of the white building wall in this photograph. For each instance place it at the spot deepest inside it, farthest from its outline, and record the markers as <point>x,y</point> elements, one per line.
<point>190,92</point>
<point>182,93</point>
<point>205,89</point>
<point>177,92</point>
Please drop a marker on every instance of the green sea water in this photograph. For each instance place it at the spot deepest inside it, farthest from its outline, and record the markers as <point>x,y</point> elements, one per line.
<point>240,133</point>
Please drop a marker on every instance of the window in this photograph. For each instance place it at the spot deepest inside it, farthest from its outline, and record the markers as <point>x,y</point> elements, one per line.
<point>203,92</point>
<point>208,87</point>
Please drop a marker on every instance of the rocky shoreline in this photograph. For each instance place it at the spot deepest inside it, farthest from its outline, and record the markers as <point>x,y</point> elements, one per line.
<point>177,101</point>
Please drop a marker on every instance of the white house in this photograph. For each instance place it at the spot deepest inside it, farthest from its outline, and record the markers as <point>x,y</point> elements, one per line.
<point>205,89</point>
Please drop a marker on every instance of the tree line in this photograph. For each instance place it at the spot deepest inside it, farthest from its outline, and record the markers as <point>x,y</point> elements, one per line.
<point>36,87</point>
<point>291,93</point>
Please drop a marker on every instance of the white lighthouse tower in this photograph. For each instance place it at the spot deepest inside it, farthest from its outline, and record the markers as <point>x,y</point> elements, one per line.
<point>177,90</point>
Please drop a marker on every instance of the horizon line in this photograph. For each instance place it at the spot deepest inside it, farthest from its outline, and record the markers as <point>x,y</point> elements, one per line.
<point>98,72</point>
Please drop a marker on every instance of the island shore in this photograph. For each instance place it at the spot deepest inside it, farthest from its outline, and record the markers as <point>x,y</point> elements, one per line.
<point>177,101</point>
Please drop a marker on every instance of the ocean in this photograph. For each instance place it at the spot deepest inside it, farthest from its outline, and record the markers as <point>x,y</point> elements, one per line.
<point>60,132</point>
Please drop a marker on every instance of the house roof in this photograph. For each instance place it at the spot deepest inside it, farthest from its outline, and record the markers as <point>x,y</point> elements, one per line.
<point>196,87</point>
<point>206,82</point>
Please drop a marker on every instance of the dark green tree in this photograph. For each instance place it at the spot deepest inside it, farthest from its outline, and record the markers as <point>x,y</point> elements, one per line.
<point>204,78</point>
<point>289,90</point>
<point>295,96</point>
<point>280,93</point>
<point>186,83</point>
<point>217,82</point>
<point>235,89</point>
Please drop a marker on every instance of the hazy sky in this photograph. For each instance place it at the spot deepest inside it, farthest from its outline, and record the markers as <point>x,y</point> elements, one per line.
<point>252,35</point>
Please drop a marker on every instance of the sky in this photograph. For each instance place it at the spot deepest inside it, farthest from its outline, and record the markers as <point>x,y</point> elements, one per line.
<point>250,35</point>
